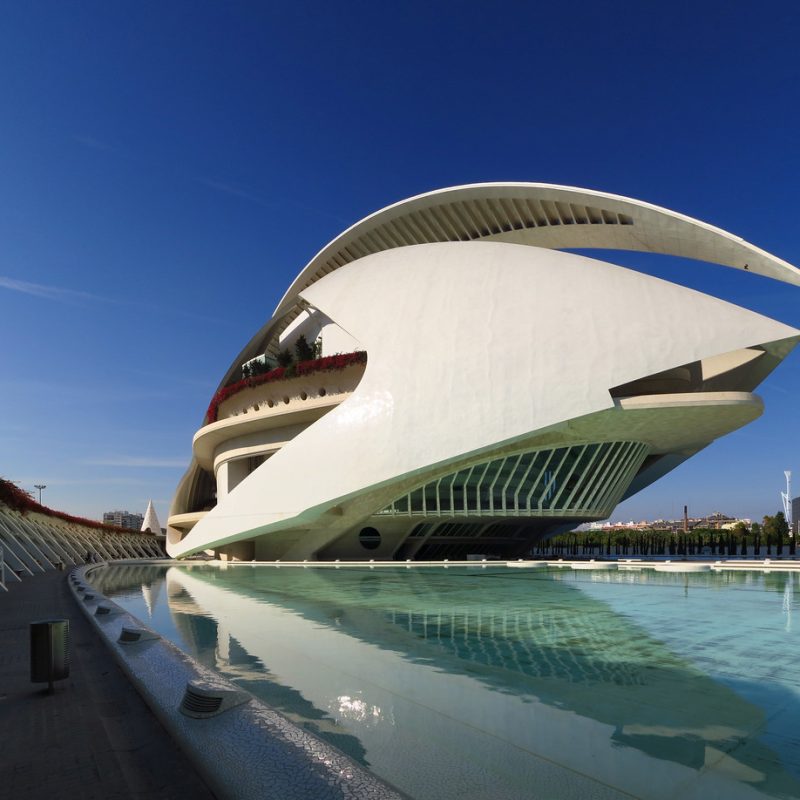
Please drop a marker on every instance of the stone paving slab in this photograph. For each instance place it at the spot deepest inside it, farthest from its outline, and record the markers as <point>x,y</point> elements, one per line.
<point>94,738</point>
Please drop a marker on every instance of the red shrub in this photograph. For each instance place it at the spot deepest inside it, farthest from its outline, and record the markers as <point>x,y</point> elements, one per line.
<point>19,500</point>
<point>325,364</point>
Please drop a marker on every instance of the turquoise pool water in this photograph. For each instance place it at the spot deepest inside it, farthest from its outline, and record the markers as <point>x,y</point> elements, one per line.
<point>491,682</point>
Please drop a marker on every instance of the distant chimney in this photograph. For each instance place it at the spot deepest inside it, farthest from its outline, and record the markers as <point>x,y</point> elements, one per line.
<point>686,519</point>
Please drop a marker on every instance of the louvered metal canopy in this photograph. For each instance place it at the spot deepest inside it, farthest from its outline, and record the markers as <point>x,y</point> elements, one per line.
<point>543,215</point>
<point>536,214</point>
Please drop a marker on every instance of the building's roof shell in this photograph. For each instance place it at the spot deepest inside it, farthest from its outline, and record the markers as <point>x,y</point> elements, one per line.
<point>535,374</point>
<point>536,214</point>
<point>542,215</point>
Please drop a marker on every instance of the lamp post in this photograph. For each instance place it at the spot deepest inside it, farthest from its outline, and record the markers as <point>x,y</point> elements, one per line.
<point>39,486</point>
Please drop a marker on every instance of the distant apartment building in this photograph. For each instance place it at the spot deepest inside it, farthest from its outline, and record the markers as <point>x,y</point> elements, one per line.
<point>123,519</point>
<point>716,521</point>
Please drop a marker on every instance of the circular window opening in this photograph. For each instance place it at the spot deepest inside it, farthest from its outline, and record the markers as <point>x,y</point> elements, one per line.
<point>303,396</point>
<point>286,400</point>
<point>370,538</point>
<point>270,403</point>
<point>322,392</point>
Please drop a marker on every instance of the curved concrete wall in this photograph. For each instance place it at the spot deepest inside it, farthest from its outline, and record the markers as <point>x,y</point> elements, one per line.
<point>533,338</point>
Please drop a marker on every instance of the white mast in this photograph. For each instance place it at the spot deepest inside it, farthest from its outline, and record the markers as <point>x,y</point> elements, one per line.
<point>787,500</point>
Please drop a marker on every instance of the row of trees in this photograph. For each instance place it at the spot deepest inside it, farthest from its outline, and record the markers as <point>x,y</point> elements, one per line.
<point>771,537</point>
<point>303,351</point>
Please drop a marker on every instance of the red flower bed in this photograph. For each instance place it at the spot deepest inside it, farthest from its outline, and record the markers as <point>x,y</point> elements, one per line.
<point>326,364</point>
<point>19,500</point>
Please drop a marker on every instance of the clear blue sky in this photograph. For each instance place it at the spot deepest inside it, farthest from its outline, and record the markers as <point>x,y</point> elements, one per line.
<point>166,168</point>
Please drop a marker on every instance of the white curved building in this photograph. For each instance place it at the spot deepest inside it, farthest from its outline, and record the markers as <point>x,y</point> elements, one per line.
<point>491,389</point>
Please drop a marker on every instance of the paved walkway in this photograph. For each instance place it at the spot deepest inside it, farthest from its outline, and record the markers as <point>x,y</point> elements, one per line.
<point>94,738</point>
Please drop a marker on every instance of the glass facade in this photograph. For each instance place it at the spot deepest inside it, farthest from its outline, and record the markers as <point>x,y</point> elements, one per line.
<point>584,479</point>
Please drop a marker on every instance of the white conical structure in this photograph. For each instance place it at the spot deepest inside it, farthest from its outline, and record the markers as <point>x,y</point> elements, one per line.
<point>150,593</point>
<point>151,523</point>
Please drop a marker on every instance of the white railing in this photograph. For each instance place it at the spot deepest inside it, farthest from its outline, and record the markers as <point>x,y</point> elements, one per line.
<point>276,396</point>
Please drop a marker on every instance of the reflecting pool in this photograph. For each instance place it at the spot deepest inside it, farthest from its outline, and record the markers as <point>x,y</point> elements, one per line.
<point>490,682</point>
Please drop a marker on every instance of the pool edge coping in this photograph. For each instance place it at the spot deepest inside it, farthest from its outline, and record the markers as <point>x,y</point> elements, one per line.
<point>253,745</point>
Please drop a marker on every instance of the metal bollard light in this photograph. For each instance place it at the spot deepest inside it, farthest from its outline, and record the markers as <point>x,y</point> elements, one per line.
<point>49,651</point>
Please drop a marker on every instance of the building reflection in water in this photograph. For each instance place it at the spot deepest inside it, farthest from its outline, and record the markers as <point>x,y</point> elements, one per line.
<point>345,652</point>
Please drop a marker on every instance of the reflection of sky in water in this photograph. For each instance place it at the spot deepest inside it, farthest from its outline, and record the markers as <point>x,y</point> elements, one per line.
<point>735,626</point>
<point>502,683</point>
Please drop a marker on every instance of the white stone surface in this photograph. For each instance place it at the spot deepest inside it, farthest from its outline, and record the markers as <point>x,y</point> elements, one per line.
<point>471,345</point>
<point>151,523</point>
<point>538,214</point>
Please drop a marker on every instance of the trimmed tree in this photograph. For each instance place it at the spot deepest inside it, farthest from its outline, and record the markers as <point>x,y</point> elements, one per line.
<point>303,351</point>
<point>285,358</point>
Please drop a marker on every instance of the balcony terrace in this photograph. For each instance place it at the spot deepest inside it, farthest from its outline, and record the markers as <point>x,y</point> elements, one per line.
<point>260,414</point>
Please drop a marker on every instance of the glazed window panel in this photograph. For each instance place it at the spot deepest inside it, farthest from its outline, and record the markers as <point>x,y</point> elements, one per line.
<point>593,476</point>
<point>607,473</point>
<point>523,469</point>
<point>445,493</point>
<point>555,487</point>
<point>503,481</point>
<point>584,478</point>
<point>472,487</point>
<point>487,484</point>
<point>459,486</point>
<point>539,478</point>
<point>574,485</point>
<point>431,497</point>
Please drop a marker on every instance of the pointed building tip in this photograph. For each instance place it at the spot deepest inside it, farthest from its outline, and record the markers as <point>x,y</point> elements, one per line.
<point>151,523</point>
